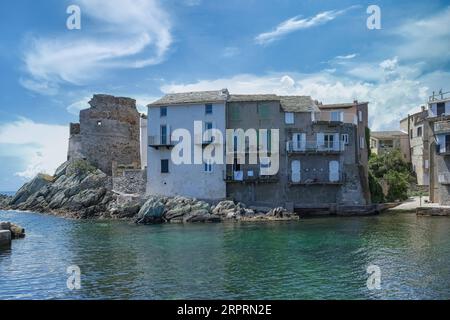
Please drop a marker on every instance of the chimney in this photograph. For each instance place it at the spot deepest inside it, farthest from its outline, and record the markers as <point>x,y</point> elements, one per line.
<point>355,101</point>
<point>423,108</point>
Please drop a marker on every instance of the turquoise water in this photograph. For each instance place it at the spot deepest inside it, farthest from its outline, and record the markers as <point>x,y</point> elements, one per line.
<point>311,259</point>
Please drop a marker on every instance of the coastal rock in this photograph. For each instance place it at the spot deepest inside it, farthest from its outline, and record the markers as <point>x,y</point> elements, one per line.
<point>15,230</point>
<point>4,201</point>
<point>151,212</point>
<point>30,189</point>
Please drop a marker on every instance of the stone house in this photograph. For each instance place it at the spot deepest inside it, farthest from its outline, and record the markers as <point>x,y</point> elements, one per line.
<point>319,152</point>
<point>386,141</point>
<point>419,134</point>
<point>439,147</point>
<point>180,111</point>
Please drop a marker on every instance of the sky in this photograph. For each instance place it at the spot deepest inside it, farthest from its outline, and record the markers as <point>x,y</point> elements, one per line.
<point>145,48</point>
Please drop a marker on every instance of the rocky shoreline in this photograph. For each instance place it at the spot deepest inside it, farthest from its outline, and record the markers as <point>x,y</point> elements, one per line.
<point>80,191</point>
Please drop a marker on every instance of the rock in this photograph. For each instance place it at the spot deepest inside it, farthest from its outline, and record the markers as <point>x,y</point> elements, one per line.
<point>4,201</point>
<point>202,215</point>
<point>17,232</point>
<point>5,239</point>
<point>5,225</point>
<point>151,212</point>
<point>30,188</point>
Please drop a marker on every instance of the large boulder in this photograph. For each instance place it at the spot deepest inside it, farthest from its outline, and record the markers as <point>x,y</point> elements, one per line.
<point>151,212</point>
<point>30,188</point>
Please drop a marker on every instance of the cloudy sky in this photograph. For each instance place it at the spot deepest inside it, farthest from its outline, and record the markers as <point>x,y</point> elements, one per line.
<point>144,48</point>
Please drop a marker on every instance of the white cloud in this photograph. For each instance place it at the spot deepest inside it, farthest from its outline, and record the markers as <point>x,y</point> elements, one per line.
<point>296,23</point>
<point>395,91</point>
<point>426,39</point>
<point>111,42</point>
<point>42,147</point>
<point>75,107</point>
<point>346,57</point>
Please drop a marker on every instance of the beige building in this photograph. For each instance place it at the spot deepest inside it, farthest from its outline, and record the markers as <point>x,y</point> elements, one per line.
<point>419,133</point>
<point>385,141</point>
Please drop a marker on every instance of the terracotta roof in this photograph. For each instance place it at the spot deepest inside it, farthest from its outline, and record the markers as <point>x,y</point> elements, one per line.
<point>387,134</point>
<point>192,97</point>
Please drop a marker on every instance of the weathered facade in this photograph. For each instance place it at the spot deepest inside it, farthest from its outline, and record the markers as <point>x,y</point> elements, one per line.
<point>386,141</point>
<point>439,124</point>
<point>179,111</point>
<point>419,132</point>
<point>319,164</point>
<point>108,133</point>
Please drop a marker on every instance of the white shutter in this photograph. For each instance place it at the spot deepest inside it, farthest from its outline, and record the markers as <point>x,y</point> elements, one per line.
<point>320,141</point>
<point>336,142</point>
<point>441,142</point>
<point>303,142</point>
<point>341,116</point>
<point>296,171</point>
<point>334,171</point>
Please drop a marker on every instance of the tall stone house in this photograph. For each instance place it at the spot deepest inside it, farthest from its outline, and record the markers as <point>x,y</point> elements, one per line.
<point>179,111</point>
<point>419,133</point>
<point>322,152</point>
<point>439,146</point>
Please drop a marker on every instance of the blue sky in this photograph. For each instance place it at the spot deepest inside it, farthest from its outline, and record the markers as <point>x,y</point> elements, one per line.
<point>144,48</point>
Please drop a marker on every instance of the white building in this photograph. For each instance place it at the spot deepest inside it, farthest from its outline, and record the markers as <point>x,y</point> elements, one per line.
<point>180,111</point>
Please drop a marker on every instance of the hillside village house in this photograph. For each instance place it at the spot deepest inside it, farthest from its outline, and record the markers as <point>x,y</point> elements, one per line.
<point>386,141</point>
<point>439,122</point>
<point>416,126</point>
<point>322,153</point>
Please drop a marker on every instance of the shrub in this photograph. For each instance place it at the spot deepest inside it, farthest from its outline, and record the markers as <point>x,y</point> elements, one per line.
<point>376,191</point>
<point>398,185</point>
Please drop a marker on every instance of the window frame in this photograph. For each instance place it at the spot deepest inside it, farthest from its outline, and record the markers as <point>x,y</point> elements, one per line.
<point>164,165</point>
<point>208,108</point>
<point>162,112</point>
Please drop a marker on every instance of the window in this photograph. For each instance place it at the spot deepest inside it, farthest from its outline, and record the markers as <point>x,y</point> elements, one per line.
<point>345,138</point>
<point>235,113</point>
<point>373,143</point>
<point>208,127</point>
<point>411,133</point>
<point>263,111</point>
<point>99,123</point>
<point>360,116</point>
<point>336,115</point>
<point>208,166</point>
<point>164,166</point>
<point>163,135</point>
<point>163,112</point>
<point>419,131</point>
<point>440,108</point>
<point>361,142</point>
<point>208,109</point>
<point>329,141</point>
<point>289,118</point>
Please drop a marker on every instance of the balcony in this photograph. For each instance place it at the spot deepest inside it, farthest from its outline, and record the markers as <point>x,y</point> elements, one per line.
<point>331,147</point>
<point>335,117</point>
<point>442,127</point>
<point>160,142</point>
<point>248,176</point>
<point>322,178</point>
<point>444,178</point>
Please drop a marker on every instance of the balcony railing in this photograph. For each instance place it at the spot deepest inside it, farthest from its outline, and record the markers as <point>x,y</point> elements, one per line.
<point>322,178</point>
<point>329,116</point>
<point>439,96</point>
<point>442,127</point>
<point>315,147</point>
<point>248,176</point>
<point>444,178</point>
<point>160,141</point>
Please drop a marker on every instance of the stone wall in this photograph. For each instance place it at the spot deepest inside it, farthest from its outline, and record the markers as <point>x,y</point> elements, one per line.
<point>108,131</point>
<point>130,181</point>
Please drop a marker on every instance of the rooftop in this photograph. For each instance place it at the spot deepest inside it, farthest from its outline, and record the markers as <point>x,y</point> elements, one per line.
<point>192,97</point>
<point>298,104</point>
<point>387,134</point>
<point>341,105</point>
<point>253,97</point>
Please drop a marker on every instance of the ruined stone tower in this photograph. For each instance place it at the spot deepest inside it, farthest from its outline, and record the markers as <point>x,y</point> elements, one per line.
<point>108,133</point>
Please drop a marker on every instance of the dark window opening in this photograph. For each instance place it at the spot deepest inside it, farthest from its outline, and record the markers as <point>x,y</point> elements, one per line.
<point>440,108</point>
<point>165,166</point>
<point>419,131</point>
<point>163,111</point>
<point>163,134</point>
<point>447,143</point>
<point>208,109</point>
